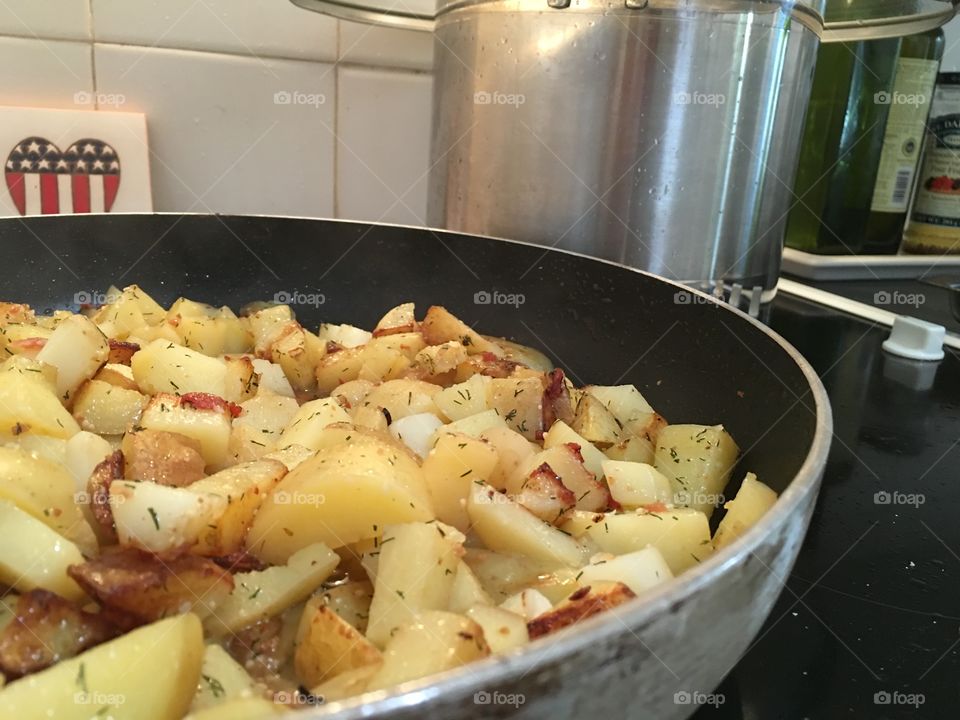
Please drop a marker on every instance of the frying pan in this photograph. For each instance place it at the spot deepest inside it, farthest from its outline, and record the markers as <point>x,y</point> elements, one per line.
<point>694,359</point>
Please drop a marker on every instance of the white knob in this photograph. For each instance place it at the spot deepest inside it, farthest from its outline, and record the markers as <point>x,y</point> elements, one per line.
<point>915,339</point>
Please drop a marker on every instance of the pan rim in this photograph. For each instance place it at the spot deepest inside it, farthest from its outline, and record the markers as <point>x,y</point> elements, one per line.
<point>485,673</point>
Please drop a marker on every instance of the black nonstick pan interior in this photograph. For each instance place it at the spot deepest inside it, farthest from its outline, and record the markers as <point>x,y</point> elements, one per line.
<point>604,324</point>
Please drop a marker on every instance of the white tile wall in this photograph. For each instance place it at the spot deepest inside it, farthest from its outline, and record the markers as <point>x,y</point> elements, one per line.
<point>206,72</point>
<point>61,19</point>
<point>268,28</point>
<point>383,145</point>
<point>951,53</point>
<point>44,73</point>
<point>385,47</point>
<point>219,141</point>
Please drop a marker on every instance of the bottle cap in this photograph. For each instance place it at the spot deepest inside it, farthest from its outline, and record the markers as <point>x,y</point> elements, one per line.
<point>915,339</point>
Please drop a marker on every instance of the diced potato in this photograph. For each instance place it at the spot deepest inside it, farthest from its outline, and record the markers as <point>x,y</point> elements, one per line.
<point>639,570</point>
<point>339,496</point>
<point>34,556</point>
<point>245,708</point>
<point>239,381</point>
<point>451,468</point>
<point>416,431</point>
<point>160,518</point>
<point>505,526</point>
<point>561,434</point>
<point>259,426</point>
<point>266,324</point>
<point>351,394</point>
<point>432,642</point>
<point>24,340</point>
<point>120,675</point>
<point>698,459</point>
<point>370,417</point>
<point>398,319</point>
<point>389,356</point>
<point>28,404</point>
<point>46,491</point>
<point>291,456</point>
<point>77,349</point>
<point>438,363</point>
<point>635,484</point>
<point>127,312</point>
<point>578,522</point>
<point>347,336</point>
<point>567,462</point>
<point>519,401</point>
<point>585,602</point>
<point>527,603</point>
<point>118,375</point>
<point>558,584</point>
<point>351,601</point>
<point>473,425</point>
<point>513,451</point>
<point>543,494</point>
<point>415,573</point>
<point>263,593</point>
<point>165,367</point>
<point>107,409</point>
<point>464,399</point>
<point>244,487</point>
<point>270,379</point>
<point>343,686</point>
<point>379,359</point>
<point>681,535</point>
<point>596,423</point>
<point>466,590</point>
<point>222,679</point>
<point>327,645</point>
<point>404,397</point>
<point>214,332</point>
<point>293,352</point>
<point>502,629</point>
<point>145,335</point>
<point>439,326</point>
<point>503,575</point>
<point>208,426</point>
<point>624,401</point>
<point>635,448</point>
<point>309,421</point>
<point>744,511</point>
<point>529,356</point>
<point>82,453</point>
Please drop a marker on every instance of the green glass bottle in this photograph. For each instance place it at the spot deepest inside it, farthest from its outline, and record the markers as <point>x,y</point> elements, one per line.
<point>841,147</point>
<point>910,100</point>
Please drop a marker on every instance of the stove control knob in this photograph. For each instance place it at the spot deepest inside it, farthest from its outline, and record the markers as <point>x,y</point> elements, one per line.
<point>915,339</point>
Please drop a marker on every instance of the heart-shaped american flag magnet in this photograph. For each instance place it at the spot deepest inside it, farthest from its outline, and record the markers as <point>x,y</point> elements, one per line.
<point>42,180</point>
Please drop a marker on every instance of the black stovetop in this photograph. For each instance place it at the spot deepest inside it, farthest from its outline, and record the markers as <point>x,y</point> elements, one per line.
<point>868,623</point>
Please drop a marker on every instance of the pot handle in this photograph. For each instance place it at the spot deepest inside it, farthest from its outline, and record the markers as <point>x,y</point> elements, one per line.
<point>371,15</point>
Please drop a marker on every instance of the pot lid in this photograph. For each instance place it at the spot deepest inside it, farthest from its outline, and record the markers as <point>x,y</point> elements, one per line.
<point>422,14</point>
<point>853,20</point>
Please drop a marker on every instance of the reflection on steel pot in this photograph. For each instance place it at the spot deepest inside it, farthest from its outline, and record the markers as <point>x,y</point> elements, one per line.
<point>658,133</point>
<point>663,137</point>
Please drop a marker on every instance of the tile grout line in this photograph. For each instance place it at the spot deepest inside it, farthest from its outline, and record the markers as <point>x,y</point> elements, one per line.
<point>336,123</point>
<point>335,61</point>
<point>93,55</point>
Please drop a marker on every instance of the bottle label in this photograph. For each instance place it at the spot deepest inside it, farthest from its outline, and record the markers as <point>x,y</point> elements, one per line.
<point>938,192</point>
<point>909,106</point>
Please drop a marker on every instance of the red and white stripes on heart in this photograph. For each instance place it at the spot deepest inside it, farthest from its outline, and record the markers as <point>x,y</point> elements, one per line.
<point>42,180</point>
